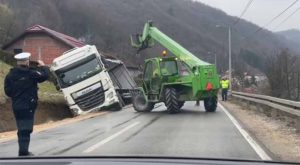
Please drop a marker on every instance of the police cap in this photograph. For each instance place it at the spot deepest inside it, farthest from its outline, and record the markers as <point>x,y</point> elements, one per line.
<point>22,56</point>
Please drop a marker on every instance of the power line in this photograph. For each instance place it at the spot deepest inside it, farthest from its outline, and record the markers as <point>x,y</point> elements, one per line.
<point>288,17</point>
<point>243,12</point>
<point>273,19</point>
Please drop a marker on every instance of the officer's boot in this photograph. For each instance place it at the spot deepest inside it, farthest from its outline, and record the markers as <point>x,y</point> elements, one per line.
<point>24,140</point>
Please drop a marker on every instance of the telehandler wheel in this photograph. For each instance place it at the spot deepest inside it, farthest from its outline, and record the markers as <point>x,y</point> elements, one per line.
<point>171,100</point>
<point>140,104</point>
<point>210,104</point>
<point>181,103</point>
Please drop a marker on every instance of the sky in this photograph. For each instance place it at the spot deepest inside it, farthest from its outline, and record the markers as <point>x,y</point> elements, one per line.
<point>261,12</point>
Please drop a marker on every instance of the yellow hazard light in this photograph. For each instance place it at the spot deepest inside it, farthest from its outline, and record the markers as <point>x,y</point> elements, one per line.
<point>164,53</point>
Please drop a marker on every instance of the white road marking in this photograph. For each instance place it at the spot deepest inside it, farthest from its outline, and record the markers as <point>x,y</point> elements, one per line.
<point>260,152</point>
<point>108,139</point>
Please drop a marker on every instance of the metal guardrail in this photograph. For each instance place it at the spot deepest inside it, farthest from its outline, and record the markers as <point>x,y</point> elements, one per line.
<point>290,109</point>
<point>288,103</point>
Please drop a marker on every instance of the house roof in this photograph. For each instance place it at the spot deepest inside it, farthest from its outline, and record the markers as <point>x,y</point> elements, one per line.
<point>72,42</point>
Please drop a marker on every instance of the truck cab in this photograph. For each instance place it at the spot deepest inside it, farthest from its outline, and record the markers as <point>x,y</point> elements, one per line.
<point>84,80</point>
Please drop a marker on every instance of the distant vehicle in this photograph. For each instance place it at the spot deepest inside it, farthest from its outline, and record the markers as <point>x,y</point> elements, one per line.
<point>86,81</point>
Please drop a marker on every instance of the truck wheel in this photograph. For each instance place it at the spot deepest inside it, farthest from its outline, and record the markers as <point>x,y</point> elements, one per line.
<point>171,100</point>
<point>210,104</point>
<point>115,107</point>
<point>181,103</point>
<point>121,101</point>
<point>140,104</point>
<point>74,114</point>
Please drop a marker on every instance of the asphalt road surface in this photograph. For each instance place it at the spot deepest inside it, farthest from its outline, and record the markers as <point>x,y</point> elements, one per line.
<point>192,133</point>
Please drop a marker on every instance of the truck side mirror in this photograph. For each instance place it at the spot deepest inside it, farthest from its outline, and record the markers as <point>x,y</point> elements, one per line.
<point>56,85</point>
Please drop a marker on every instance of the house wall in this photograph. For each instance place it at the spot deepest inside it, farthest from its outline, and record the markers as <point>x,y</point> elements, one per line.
<point>41,46</point>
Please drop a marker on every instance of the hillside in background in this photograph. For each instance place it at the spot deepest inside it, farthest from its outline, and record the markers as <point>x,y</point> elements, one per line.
<point>293,35</point>
<point>108,24</point>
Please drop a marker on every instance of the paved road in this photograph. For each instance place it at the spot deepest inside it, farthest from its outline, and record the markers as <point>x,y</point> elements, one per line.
<point>190,133</point>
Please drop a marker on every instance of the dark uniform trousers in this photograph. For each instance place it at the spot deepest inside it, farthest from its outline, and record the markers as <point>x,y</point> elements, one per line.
<point>21,86</point>
<point>224,94</point>
<point>25,120</point>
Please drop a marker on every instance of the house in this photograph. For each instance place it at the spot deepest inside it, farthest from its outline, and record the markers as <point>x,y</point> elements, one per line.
<point>43,43</point>
<point>46,44</point>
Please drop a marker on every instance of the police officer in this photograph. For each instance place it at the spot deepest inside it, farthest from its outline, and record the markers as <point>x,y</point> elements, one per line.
<point>21,85</point>
<point>224,85</point>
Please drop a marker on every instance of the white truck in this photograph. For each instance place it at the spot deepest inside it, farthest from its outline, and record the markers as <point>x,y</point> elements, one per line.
<point>85,81</point>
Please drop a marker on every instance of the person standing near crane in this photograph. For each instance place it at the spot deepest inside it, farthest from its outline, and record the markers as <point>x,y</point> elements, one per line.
<point>225,86</point>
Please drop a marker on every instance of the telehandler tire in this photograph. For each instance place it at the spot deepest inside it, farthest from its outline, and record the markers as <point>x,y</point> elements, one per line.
<point>210,104</point>
<point>171,100</point>
<point>140,104</point>
<point>181,103</point>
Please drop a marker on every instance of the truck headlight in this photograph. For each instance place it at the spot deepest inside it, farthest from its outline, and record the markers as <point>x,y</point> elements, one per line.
<point>74,95</point>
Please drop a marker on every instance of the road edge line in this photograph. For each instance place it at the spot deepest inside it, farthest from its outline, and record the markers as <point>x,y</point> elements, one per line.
<point>108,139</point>
<point>257,148</point>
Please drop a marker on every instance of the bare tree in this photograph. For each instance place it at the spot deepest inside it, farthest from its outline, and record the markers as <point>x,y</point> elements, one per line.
<point>280,72</point>
<point>6,24</point>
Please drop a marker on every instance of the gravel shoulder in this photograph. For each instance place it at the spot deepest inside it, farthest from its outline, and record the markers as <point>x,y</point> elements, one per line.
<point>277,137</point>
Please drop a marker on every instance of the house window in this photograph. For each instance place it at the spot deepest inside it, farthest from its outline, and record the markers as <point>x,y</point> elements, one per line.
<point>17,51</point>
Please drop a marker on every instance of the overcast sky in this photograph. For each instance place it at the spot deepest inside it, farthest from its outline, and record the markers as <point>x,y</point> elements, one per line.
<point>261,11</point>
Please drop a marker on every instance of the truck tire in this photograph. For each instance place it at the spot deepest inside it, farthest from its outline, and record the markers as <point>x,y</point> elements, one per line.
<point>171,100</point>
<point>121,101</point>
<point>115,107</point>
<point>181,103</point>
<point>210,104</point>
<point>140,104</point>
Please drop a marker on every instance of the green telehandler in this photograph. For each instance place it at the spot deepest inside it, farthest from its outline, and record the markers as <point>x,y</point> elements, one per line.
<point>175,79</point>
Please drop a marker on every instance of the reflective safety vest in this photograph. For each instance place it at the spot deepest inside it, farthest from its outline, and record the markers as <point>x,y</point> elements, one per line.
<point>224,84</point>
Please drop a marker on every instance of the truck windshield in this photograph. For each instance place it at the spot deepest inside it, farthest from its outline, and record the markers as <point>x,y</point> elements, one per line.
<point>79,71</point>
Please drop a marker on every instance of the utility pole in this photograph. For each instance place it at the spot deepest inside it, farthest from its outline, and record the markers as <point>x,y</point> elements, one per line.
<point>229,54</point>
<point>216,59</point>
<point>298,85</point>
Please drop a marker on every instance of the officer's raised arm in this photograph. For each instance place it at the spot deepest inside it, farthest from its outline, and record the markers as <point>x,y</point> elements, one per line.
<point>41,74</point>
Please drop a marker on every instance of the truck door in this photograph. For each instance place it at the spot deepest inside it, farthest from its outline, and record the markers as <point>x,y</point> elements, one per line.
<point>147,76</point>
<point>152,77</point>
<point>156,78</point>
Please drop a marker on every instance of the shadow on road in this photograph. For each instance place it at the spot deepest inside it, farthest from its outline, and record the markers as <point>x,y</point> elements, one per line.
<point>182,112</point>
